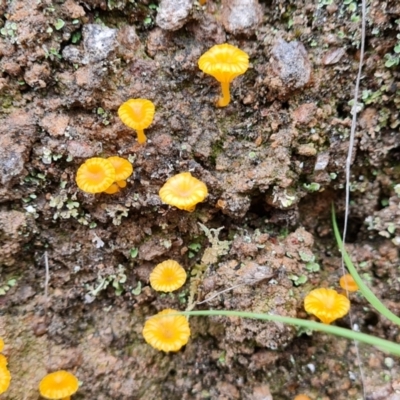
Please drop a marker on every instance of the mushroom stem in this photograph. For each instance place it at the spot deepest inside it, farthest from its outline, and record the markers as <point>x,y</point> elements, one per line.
<point>226,95</point>
<point>141,137</point>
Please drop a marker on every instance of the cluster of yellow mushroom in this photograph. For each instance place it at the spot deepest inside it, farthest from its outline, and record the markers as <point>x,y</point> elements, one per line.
<point>5,376</point>
<point>327,304</point>
<point>107,175</point>
<point>165,331</point>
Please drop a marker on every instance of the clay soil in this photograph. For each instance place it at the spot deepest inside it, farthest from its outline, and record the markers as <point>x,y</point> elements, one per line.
<point>273,162</point>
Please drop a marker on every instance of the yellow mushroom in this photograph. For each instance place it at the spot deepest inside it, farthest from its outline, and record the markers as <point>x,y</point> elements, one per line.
<point>59,385</point>
<point>95,175</point>
<point>138,114</point>
<point>165,332</point>
<point>183,191</point>
<point>123,170</point>
<point>326,304</point>
<point>224,62</point>
<point>167,276</point>
<point>348,283</point>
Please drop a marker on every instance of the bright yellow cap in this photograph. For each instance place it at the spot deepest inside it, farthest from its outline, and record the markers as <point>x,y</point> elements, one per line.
<point>224,62</point>
<point>326,304</point>
<point>167,276</point>
<point>166,333</point>
<point>138,114</point>
<point>183,191</point>
<point>348,283</point>
<point>95,175</point>
<point>123,168</point>
<point>58,385</point>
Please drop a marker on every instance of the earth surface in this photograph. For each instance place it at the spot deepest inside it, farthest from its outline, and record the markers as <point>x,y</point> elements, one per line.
<point>273,161</point>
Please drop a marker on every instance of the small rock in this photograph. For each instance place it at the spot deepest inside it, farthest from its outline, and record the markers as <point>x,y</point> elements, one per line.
<point>81,149</point>
<point>304,113</point>
<point>307,150</point>
<point>333,56</point>
<point>55,124</point>
<point>241,16</point>
<point>322,161</point>
<point>261,393</point>
<point>128,41</point>
<point>98,42</point>
<point>173,14</point>
<point>37,75</point>
<point>208,30</point>
<point>72,10</point>
<point>290,63</point>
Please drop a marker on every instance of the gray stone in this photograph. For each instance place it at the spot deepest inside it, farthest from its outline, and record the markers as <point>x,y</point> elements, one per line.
<point>290,63</point>
<point>241,16</point>
<point>173,14</point>
<point>98,42</point>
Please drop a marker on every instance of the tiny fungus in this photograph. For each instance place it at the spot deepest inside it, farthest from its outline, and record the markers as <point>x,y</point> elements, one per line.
<point>348,283</point>
<point>138,114</point>
<point>183,191</point>
<point>326,304</point>
<point>301,397</point>
<point>123,170</point>
<point>167,276</point>
<point>166,332</point>
<point>59,385</point>
<point>114,188</point>
<point>95,175</point>
<point>5,378</point>
<point>224,62</point>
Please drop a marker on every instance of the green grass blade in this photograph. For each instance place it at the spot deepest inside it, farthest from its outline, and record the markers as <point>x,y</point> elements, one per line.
<point>382,344</point>
<point>372,299</point>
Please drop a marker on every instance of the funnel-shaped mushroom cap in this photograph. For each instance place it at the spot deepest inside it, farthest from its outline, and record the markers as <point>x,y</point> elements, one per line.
<point>58,385</point>
<point>138,114</point>
<point>224,62</point>
<point>326,304</point>
<point>123,168</point>
<point>95,175</point>
<point>183,191</point>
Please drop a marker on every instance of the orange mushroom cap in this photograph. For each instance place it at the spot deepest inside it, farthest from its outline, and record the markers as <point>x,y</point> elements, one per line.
<point>301,397</point>
<point>348,283</point>
<point>58,385</point>
<point>138,114</point>
<point>123,168</point>
<point>224,62</point>
<point>114,188</point>
<point>167,276</point>
<point>167,333</point>
<point>95,175</point>
<point>183,191</point>
<point>326,304</point>
<point>5,378</point>
<point>1,344</point>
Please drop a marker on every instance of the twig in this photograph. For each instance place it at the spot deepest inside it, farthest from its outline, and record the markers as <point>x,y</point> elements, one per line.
<point>348,167</point>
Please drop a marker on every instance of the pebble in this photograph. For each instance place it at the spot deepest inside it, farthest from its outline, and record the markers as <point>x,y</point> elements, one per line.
<point>173,14</point>
<point>290,63</point>
<point>241,17</point>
